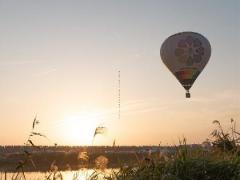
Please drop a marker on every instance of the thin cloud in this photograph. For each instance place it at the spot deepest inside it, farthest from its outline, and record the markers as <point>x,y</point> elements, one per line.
<point>46,72</point>
<point>15,63</point>
<point>141,106</point>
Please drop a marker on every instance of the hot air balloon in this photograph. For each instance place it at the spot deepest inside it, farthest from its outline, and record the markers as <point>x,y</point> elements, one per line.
<point>186,54</point>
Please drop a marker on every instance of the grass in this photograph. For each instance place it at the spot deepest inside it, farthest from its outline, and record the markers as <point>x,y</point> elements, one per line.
<point>185,164</point>
<point>219,162</point>
<point>217,159</point>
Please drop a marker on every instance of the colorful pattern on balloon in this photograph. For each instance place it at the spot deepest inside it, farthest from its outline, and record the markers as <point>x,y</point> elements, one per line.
<point>189,51</point>
<point>187,76</point>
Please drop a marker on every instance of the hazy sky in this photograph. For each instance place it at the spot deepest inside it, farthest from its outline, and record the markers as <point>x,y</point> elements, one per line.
<point>60,59</point>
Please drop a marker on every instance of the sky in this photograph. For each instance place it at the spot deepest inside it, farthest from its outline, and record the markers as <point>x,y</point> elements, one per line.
<point>60,59</point>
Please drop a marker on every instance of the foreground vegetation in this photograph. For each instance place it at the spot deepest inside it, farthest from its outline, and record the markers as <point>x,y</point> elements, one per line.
<point>186,165</point>
<point>217,159</point>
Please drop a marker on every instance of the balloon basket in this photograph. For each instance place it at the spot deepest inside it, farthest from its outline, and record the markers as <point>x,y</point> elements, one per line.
<point>188,95</point>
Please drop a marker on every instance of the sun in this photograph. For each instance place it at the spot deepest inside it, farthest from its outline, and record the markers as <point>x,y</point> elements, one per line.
<point>79,128</point>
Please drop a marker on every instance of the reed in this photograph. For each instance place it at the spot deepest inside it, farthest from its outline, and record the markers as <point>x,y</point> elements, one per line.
<point>217,159</point>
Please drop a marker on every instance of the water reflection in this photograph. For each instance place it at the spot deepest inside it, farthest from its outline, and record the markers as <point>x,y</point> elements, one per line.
<point>82,174</point>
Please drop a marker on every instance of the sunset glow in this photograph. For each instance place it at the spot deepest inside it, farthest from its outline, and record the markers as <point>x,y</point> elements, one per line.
<point>60,60</point>
<point>78,129</point>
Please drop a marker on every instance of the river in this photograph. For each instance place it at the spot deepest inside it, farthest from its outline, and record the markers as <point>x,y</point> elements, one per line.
<point>82,174</point>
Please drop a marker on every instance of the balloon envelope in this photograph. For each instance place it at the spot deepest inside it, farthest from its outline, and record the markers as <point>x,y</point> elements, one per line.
<point>186,54</point>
